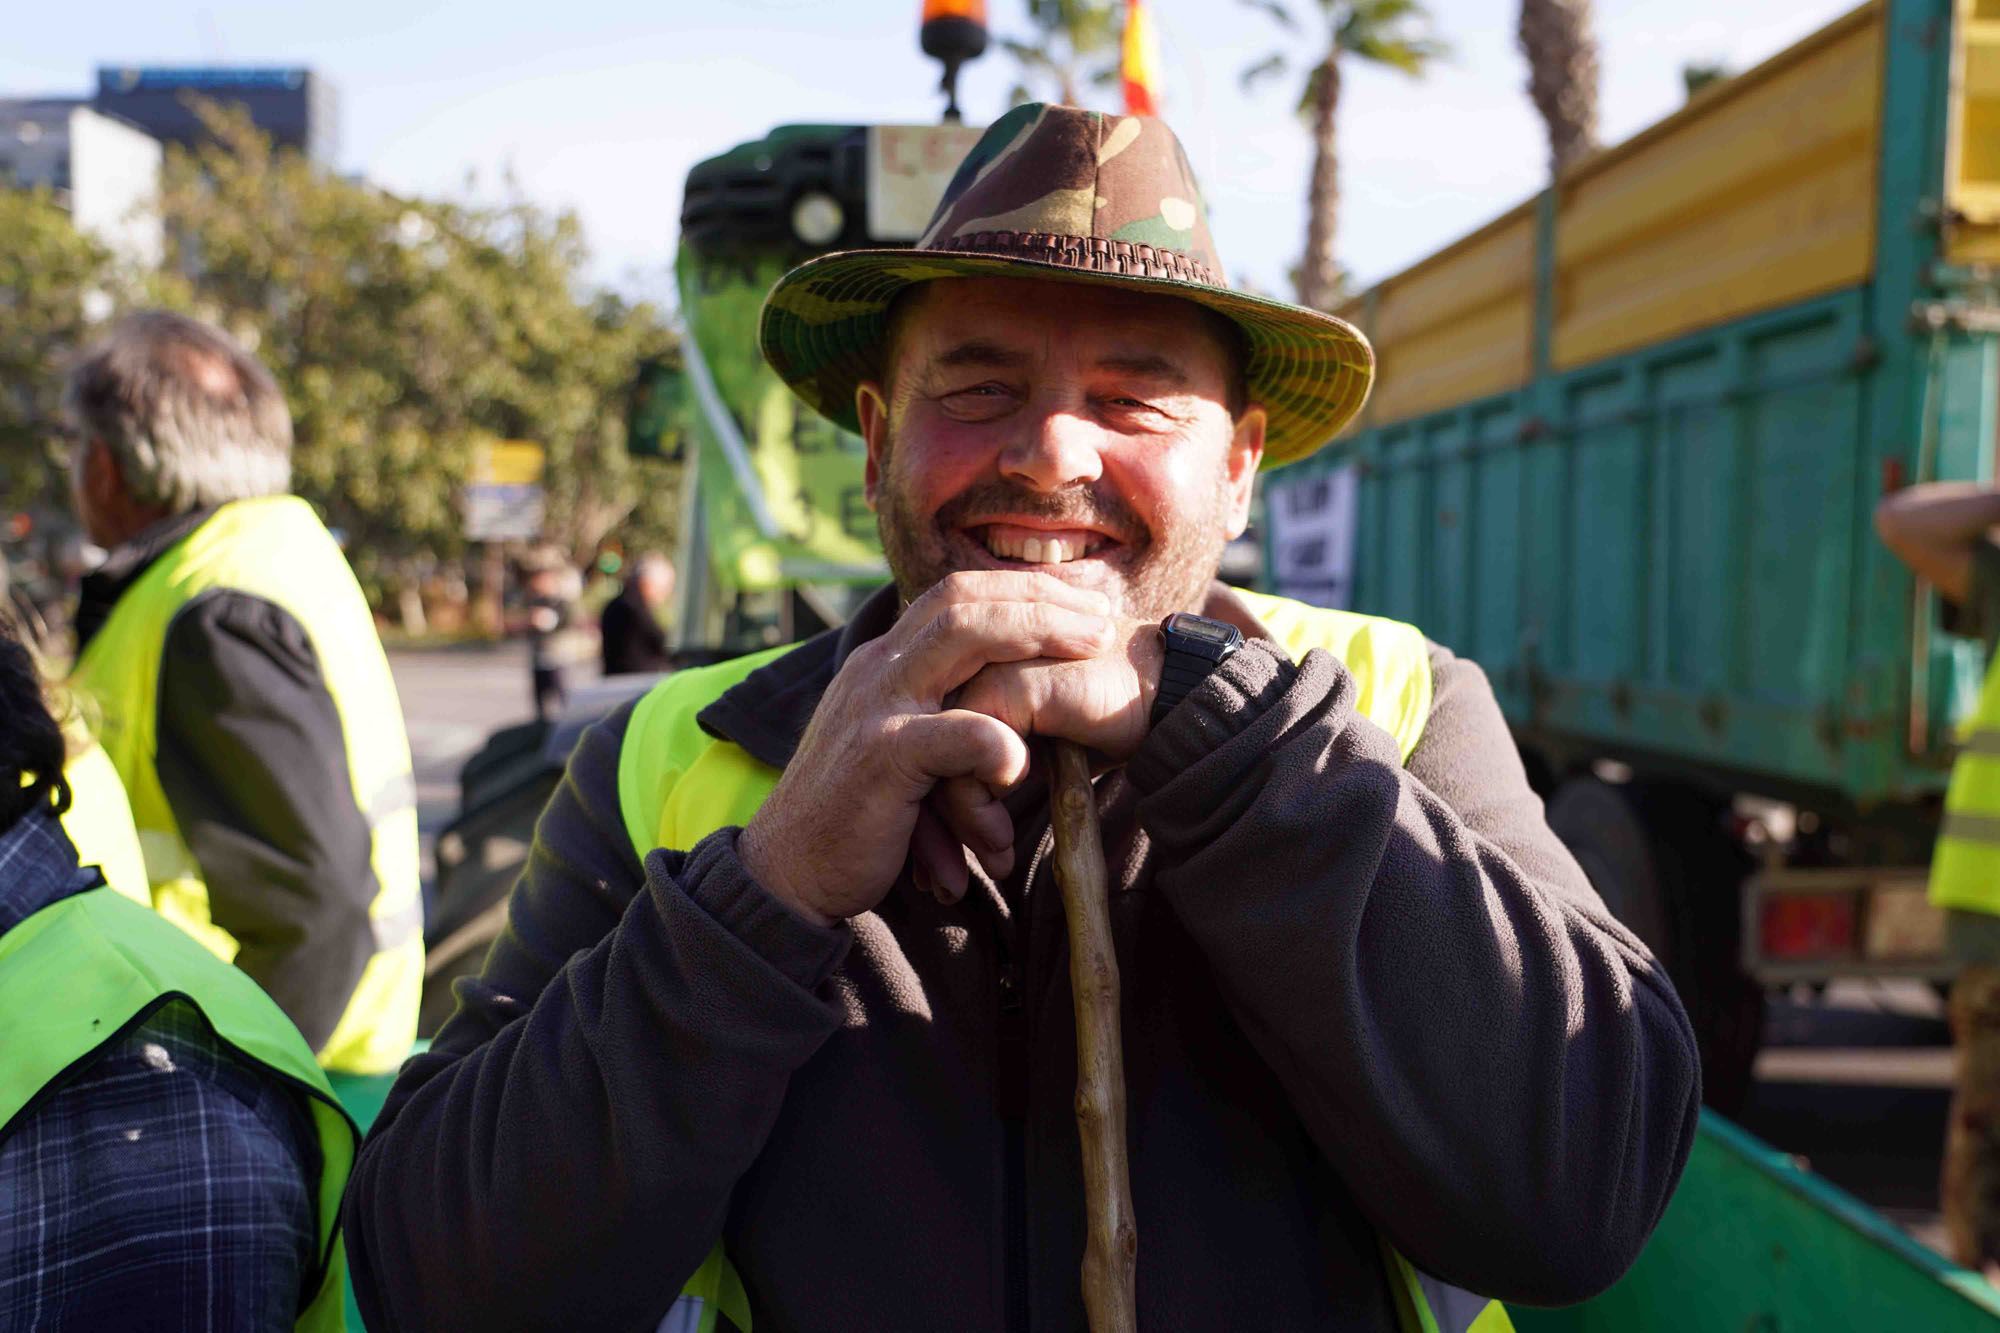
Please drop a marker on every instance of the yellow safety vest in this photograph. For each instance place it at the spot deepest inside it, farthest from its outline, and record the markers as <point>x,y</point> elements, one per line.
<point>99,823</point>
<point>276,548</point>
<point>677,784</point>
<point>82,972</point>
<point>1965,868</point>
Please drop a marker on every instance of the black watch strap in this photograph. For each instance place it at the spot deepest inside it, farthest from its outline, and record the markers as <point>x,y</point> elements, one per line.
<point>1195,647</point>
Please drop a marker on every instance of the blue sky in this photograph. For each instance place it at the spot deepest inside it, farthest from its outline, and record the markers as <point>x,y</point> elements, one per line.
<point>602,105</point>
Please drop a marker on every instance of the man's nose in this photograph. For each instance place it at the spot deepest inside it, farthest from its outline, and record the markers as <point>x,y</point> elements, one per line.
<point>1058,449</point>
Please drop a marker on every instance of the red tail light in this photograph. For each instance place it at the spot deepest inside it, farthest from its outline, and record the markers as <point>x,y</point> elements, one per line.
<point>1794,926</point>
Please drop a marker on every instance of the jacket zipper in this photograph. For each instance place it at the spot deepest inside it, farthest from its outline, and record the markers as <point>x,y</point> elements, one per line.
<point>1014,1100</point>
<point>1013,1097</point>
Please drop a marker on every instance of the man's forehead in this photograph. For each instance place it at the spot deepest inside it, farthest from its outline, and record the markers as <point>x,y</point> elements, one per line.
<point>975,318</point>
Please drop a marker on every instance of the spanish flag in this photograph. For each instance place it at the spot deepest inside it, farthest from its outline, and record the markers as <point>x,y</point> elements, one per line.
<point>1139,63</point>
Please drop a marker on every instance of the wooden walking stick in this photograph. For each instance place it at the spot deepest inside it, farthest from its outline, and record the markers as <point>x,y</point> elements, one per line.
<point>1111,1248</point>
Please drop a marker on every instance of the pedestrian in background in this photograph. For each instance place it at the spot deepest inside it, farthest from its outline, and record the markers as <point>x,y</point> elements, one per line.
<point>242,693</point>
<point>166,1140</point>
<point>1948,533</point>
<point>552,588</point>
<point>631,636</point>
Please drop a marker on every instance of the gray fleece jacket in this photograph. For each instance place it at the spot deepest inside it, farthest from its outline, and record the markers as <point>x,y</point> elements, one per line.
<point>1361,1000</point>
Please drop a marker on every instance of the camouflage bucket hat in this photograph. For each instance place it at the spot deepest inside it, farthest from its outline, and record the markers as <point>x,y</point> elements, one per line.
<point>1071,196</point>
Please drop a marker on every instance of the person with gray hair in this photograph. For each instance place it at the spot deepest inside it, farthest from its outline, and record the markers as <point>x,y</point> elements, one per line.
<point>243,694</point>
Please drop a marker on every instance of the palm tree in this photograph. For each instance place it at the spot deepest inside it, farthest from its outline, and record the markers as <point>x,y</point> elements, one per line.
<point>1395,33</point>
<point>1073,43</point>
<point>1699,74</point>
<point>1556,37</point>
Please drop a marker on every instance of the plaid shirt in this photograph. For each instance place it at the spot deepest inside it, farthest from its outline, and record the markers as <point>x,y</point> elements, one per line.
<point>165,1184</point>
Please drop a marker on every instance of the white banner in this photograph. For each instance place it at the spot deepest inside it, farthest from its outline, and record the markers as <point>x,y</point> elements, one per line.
<point>1312,536</point>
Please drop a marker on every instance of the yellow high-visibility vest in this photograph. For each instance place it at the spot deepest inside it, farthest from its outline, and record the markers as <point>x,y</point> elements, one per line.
<point>276,548</point>
<point>677,784</point>
<point>1965,867</point>
<point>77,974</point>
<point>99,823</point>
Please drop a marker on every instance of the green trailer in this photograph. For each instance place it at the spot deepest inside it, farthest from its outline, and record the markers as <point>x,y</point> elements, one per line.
<point>1624,451</point>
<point>1755,1243</point>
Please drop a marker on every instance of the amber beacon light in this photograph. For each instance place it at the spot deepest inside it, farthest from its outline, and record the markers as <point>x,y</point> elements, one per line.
<point>953,32</point>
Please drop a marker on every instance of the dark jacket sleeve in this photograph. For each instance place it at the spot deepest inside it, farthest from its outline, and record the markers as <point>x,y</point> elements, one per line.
<point>254,764</point>
<point>1499,1070</point>
<point>631,637</point>
<point>1978,616</point>
<point>563,1156</point>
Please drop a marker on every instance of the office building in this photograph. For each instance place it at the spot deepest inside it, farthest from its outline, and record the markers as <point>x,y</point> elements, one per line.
<point>297,107</point>
<point>104,171</point>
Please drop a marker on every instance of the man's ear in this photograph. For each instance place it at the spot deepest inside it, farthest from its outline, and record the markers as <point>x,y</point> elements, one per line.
<point>871,409</point>
<point>1246,454</point>
<point>103,482</point>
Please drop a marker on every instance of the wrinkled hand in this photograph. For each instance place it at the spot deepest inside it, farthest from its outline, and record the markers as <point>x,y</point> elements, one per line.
<point>1101,702</point>
<point>850,809</point>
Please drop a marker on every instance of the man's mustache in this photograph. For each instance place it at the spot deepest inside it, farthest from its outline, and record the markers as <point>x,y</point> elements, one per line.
<point>1076,507</point>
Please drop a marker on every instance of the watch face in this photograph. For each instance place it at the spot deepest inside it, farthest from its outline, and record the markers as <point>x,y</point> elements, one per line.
<point>1203,630</point>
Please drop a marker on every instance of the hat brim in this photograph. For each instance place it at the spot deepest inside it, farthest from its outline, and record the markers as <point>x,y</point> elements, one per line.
<point>822,325</point>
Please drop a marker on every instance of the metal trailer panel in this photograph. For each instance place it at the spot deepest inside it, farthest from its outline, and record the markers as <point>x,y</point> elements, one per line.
<point>1760,192</point>
<point>1667,554</point>
<point>1751,1240</point>
<point>1973,154</point>
<point>1461,324</point>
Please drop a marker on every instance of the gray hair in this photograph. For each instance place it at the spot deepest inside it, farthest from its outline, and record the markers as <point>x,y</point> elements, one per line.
<point>192,418</point>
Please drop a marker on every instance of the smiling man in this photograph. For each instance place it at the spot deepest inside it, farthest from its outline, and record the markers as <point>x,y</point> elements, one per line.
<point>782,1023</point>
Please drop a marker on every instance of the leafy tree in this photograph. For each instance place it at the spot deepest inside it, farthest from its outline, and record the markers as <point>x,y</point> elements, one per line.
<point>1393,33</point>
<point>1556,37</point>
<point>1072,44</point>
<point>52,278</point>
<point>407,332</point>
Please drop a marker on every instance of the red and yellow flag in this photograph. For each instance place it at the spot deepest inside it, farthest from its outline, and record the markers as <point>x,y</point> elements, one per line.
<point>1139,62</point>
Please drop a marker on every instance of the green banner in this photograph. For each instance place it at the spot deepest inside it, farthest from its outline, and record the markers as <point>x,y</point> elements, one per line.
<point>780,487</point>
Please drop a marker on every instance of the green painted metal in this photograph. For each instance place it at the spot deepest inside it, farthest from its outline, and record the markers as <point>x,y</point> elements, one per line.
<point>363,1096</point>
<point>1754,1243</point>
<point>1669,556</point>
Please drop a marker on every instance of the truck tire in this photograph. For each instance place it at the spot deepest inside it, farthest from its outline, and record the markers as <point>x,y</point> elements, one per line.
<point>1603,829</point>
<point>1658,857</point>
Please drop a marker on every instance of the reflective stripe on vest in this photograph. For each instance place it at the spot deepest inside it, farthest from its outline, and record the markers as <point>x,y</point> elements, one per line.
<point>1965,867</point>
<point>82,972</point>
<point>677,784</point>
<point>276,549</point>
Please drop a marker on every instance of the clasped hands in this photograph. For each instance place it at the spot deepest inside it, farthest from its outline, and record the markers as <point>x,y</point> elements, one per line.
<point>924,730</point>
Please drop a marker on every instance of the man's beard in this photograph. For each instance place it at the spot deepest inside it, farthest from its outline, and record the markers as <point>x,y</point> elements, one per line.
<point>1157,572</point>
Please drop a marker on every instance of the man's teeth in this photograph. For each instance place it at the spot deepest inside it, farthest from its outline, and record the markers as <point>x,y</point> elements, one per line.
<point>1040,550</point>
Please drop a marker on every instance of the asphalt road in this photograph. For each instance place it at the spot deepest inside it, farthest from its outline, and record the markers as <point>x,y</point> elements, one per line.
<point>1855,1082</point>
<point>453,698</point>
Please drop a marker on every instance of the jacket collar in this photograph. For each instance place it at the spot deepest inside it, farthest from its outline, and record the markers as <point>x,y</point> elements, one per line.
<point>767,711</point>
<point>38,867</point>
<point>128,560</point>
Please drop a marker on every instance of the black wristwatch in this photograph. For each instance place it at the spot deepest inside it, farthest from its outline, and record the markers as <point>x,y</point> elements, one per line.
<point>1196,646</point>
